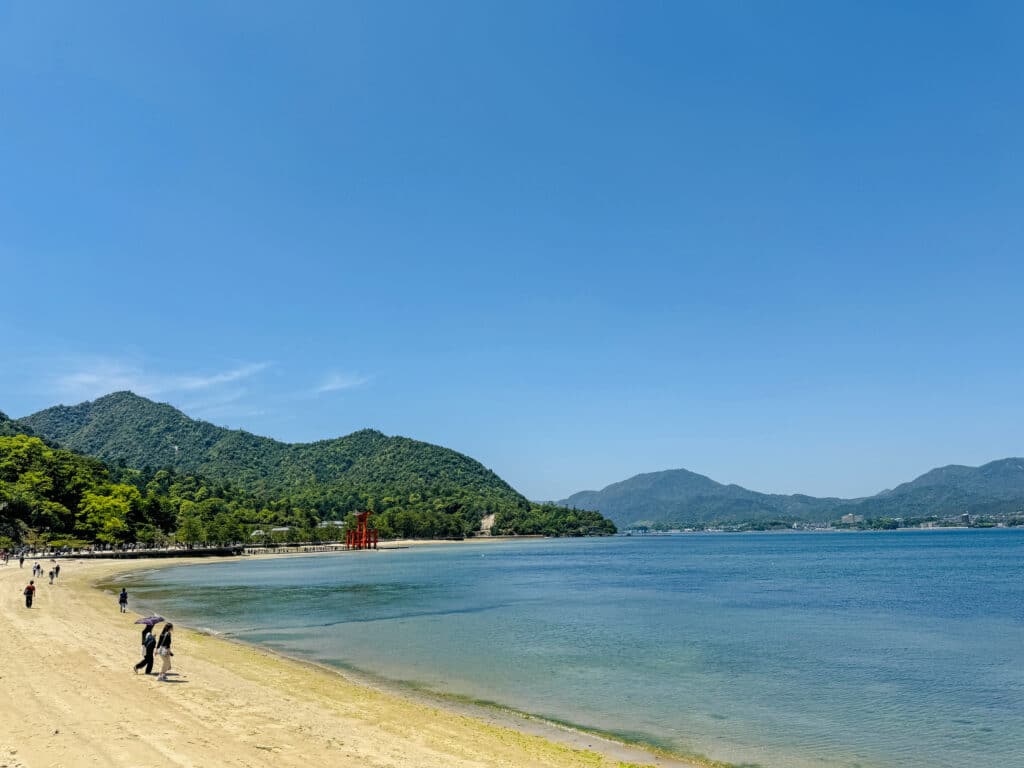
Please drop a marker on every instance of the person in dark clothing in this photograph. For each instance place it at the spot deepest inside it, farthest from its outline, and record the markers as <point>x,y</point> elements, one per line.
<point>30,592</point>
<point>21,561</point>
<point>122,600</point>
<point>56,570</point>
<point>148,646</point>
<point>163,650</point>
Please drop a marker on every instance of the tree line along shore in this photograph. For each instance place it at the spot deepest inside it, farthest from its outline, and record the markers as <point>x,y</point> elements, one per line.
<point>52,498</point>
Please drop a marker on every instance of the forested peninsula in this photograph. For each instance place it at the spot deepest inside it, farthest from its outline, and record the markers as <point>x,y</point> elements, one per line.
<point>125,469</point>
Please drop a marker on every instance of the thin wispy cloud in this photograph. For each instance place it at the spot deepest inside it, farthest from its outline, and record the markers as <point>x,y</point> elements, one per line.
<point>206,402</point>
<point>99,377</point>
<point>191,383</point>
<point>337,382</point>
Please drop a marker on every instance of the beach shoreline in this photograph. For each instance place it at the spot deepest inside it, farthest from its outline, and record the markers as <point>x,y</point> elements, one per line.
<point>71,699</point>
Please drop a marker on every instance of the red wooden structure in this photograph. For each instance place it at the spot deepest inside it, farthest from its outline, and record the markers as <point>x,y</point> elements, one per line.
<point>362,536</point>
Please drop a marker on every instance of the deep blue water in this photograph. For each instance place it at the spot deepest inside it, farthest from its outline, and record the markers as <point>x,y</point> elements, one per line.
<point>783,650</point>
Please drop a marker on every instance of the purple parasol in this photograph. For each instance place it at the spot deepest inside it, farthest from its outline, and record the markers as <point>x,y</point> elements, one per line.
<point>149,621</point>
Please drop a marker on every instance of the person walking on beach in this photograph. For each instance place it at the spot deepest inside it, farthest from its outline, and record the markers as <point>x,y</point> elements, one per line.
<point>122,600</point>
<point>148,647</point>
<point>30,592</point>
<point>21,561</point>
<point>51,575</point>
<point>163,650</point>
<point>56,570</point>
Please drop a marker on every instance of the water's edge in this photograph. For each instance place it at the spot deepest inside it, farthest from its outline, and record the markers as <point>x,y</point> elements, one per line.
<point>624,747</point>
<point>851,651</point>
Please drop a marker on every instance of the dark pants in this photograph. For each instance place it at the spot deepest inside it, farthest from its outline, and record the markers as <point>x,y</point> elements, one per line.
<point>28,600</point>
<point>146,662</point>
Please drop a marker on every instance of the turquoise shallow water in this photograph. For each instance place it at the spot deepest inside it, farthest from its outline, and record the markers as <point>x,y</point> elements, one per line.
<point>781,650</point>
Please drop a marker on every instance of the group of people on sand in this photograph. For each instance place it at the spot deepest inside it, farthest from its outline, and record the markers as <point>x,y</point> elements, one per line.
<point>5,557</point>
<point>161,647</point>
<point>30,589</point>
<point>37,570</point>
<point>151,645</point>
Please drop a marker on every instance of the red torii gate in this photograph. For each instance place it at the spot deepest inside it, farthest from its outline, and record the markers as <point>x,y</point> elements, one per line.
<point>362,536</point>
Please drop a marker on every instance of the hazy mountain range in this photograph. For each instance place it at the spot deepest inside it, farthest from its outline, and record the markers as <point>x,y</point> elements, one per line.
<point>685,498</point>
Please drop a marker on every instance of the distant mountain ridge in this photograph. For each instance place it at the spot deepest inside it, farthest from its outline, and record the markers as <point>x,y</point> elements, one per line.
<point>681,497</point>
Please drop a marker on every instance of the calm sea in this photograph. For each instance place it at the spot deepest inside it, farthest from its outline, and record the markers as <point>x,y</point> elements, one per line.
<point>781,650</point>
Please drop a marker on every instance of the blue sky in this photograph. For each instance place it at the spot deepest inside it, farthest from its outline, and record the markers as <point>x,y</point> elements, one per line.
<point>776,243</point>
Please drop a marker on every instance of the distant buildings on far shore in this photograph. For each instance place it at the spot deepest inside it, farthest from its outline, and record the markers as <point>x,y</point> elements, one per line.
<point>848,522</point>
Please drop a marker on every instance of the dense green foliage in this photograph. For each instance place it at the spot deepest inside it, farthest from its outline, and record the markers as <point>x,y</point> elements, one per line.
<point>219,485</point>
<point>10,428</point>
<point>57,497</point>
<point>41,488</point>
<point>679,499</point>
<point>552,520</point>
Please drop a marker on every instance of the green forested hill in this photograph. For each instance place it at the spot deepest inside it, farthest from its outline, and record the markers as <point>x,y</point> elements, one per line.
<point>416,489</point>
<point>124,428</point>
<point>9,428</point>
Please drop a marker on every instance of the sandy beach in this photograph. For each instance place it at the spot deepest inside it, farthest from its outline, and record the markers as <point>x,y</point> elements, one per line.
<point>70,698</point>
